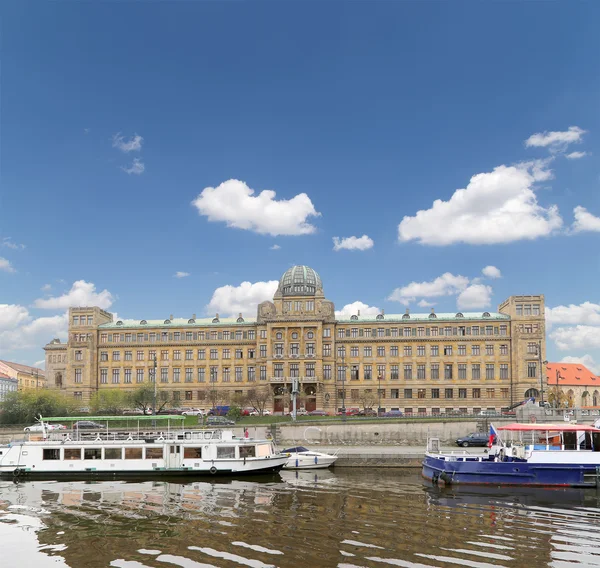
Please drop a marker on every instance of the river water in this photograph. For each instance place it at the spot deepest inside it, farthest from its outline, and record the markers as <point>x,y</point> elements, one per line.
<point>345,519</point>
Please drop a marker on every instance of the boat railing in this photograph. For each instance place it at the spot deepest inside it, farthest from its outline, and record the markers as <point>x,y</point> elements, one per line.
<point>148,436</point>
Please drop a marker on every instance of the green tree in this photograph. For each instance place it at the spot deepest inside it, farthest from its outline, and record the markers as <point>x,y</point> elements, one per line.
<point>109,401</point>
<point>142,399</point>
<point>23,407</point>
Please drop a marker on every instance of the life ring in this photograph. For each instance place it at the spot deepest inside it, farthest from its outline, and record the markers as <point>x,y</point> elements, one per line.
<point>213,470</point>
<point>16,472</point>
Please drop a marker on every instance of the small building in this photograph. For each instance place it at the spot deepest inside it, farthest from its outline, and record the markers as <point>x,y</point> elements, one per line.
<point>27,377</point>
<point>572,385</point>
<point>7,384</point>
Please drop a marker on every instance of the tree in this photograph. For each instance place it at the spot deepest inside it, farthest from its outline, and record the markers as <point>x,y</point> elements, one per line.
<point>22,407</point>
<point>367,399</point>
<point>110,401</point>
<point>216,397</point>
<point>142,398</point>
<point>557,398</point>
<point>259,397</point>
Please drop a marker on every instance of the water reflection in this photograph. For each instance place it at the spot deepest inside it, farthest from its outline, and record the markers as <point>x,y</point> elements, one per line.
<point>342,519</point>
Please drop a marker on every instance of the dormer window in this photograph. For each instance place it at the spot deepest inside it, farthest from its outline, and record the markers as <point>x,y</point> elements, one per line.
<point>167,322</point>
<point>191,321</point>
<point>240,320</point>
<point>143,322</point>
<point>119,322</point>
<point>404,317</point>
<point>432,316</point>
<point>215,320</point>
<point>354,318</point>
<point>460,315</point>
<point>380,316</point>
<point>486,314</point>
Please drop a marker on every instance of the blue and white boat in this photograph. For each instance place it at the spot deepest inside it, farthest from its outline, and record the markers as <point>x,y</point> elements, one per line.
<point>543,455</point>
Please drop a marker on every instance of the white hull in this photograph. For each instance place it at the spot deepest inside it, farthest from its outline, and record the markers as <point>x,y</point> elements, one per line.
<point>312,461</point>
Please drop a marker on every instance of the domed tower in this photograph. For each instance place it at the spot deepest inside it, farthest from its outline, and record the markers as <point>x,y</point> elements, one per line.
<point>299,295</point>
<point>299,281</point>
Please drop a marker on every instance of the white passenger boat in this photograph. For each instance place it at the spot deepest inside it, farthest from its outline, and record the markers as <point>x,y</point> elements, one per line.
<point>141,452</point>
<point>300,457</point>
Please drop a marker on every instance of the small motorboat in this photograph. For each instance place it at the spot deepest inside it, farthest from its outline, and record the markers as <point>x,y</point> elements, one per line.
<point>303,458</point>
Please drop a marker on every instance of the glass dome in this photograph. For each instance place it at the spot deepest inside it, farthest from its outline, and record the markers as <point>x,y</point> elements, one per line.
<point>300,281</point>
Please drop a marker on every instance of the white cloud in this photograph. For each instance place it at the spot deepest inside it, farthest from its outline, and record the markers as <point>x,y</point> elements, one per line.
<point>35,334</point>
<point>12,315</point>
<point>234,203</point>
<point>445,285</point>
<point>425,304</point>
<point>82,293</point>
<point>353,243</point>
<point>575,155</point>
<point>586,360</point>
<point>353,309</point>
<point>41,364</point>
<point>179,274</point>
<point>495,207</point>
<point>134,144</point>
<point>275,247</point>
<point>573,314</point>
<point>46,287</point>
<point>491,272</point>
<point>137,167</point>
<point>231,300</point>
<point>6,266</point>
<point>584,221</point>
<point>555,140</point>
<point>474,297</point>
<point>576,337</point>
<point>8,243</point>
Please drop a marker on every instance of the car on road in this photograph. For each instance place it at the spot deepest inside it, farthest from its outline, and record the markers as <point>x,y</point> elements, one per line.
<point>219,421</point>
<point>318,413</point>
<point>38,427</point>
<point>255,412</point>
<point>475,439</point>
<point>87,425</point>
<point>349,412</point>
<point>194,412</point>
<point>393,414</point>
<point>366,412</point>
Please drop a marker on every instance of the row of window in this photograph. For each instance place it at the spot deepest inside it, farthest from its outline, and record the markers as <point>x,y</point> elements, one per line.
<point>57,358</point>
<point>422,331</point>
<point>139,453</point>
<point>281,370</point>
<point>355,394</point>
<point>83,320</point>
<point>419,350</point>
<point>177,355</point>
<point>528,309</point>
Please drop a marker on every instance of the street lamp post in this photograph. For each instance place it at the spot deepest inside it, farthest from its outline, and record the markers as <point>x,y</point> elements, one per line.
<point>539,350</point>
<point>155,387</point>
<point>343,386</point>
<point>378,394</point>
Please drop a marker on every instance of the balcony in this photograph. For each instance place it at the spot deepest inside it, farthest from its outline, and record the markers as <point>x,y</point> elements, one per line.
<point>303,380</point>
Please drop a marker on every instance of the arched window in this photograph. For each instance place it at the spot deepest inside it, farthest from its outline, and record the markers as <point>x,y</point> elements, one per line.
<point>215,320</point>
<point>310,390</point>
<point>192,321</point>
<point>58,380</point>
<point>459,315</point>
<point>167,322</point>
<point>529,393</point>
<point>596,398</point>
<point>432,316</point>
<point>119,322</point>
<point>570,398</point>
<point>406,317</point>
<point>354,318</point>
<point>486,314</point>
<point>143,322</point>
<point>585,398</point>
<point>240,320</point>
<point>380,316</point>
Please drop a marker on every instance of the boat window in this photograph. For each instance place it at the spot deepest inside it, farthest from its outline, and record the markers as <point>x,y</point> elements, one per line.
<point>72,453</point>
<point>295,450</point>
<point>51,454</point>
<point>154,453</point>
<point>192,453</point>
<point>247,452</point>
<point>175,449</point>
<point>570,440</point>
<point>263,450</point>
<point>112,453</point>
<point>92,453</point>
<point>133,453</point>
<point>596,441</point>
<point>224,452</point>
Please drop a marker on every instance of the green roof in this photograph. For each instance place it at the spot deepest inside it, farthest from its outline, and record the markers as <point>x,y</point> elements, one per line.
<point>431,318</point>
<point>177,322</point>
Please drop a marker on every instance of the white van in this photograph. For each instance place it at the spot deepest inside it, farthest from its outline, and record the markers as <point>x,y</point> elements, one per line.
<point>488,413</point>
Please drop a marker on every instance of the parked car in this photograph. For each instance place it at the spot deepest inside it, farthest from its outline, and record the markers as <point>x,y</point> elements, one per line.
<point>193,412</point>
<point>38,427</point>
<point>349,412</point>
<point>475,439</point>
<point>219,421</point>
<point>488,413</point>
<point>87,425</point>
<point>366,412</point>
<point>318,413</point>
<point>132,411</point>
<point>255,412</point>
<point>219,411</point>
<point>393,414</point>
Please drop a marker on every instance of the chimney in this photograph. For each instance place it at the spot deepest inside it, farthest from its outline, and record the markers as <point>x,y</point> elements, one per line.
<point>171,317</point>
<point>358,313</point>
<point>382,312</point>
<point>217,316</point>
<point>193,316</point>
<point>432,310</point>
<point>407,311</point>
<point>240,315</point>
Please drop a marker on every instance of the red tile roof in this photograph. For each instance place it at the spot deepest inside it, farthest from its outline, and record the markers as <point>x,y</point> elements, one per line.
<point>4,376</point>
<point>571,374</point>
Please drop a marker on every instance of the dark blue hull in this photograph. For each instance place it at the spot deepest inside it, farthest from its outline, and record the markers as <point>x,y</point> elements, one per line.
<point>518,472</point>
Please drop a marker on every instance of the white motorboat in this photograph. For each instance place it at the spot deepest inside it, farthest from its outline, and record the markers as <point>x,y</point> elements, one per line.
<point>147,452</point>
<point>300,457</point>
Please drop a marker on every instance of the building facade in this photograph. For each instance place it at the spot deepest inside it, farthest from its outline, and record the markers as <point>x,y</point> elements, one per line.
<point>418,363</point>
<point>7,384</point>
<point>27,377</point>
<point>571,385</point>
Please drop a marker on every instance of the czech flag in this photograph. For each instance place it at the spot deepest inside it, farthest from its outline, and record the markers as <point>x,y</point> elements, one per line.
<point>493,435</point>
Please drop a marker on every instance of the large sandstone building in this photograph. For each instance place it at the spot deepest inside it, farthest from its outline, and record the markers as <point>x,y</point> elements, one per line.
<point>418,363</point>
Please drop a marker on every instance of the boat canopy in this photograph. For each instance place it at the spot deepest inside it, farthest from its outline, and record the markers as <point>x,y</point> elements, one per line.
<point>128,418</point>
<point>295,450</point>
<point>548,428</point>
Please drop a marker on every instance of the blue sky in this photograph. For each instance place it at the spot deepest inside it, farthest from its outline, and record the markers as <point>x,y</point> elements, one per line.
<point>358,115</point>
